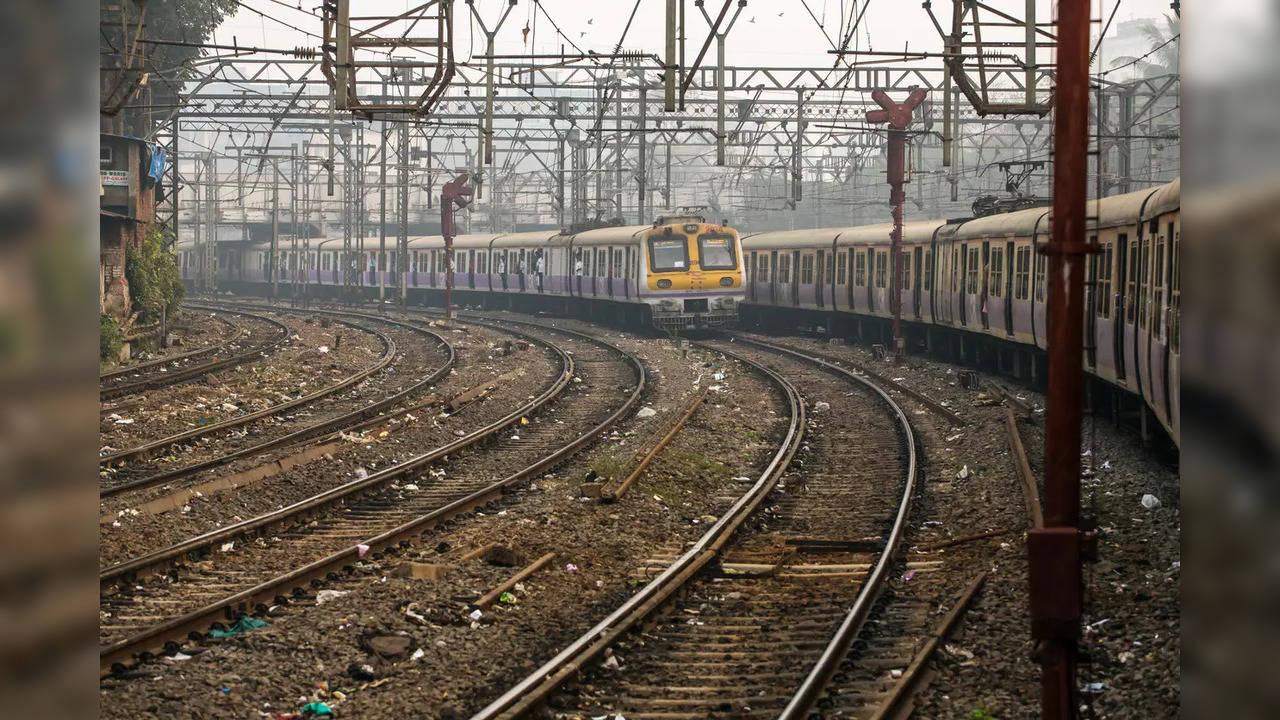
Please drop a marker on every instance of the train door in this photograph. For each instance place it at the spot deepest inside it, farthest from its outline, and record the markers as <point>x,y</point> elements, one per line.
<point>626,280</point>
<point>871,283</point>
<point>607,273</point>
<point>1122,302</point>
<point>773,277</point>
<point>849,280</point>
<point>984,281</point>
<point>1008,287</point>
<point>1091,304</point>
<point>609,253</point>
<point>795,277</point>
<point>818,280</point>
<point>918,261</point>
<point>751,276</point>
<point>963,295</point>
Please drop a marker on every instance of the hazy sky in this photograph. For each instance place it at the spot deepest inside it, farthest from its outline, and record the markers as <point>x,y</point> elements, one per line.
<point>769,32</point>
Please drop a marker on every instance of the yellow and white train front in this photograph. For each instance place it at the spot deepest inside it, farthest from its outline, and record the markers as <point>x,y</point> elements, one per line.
<point>691,276</point>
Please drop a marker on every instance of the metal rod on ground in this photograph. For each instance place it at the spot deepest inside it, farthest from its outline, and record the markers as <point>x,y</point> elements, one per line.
<point>635,474</point>
<point>496,594</point>
<point>1054,551</point>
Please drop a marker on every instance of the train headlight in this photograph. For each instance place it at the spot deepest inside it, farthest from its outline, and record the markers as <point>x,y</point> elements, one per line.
<point>726,281</point>
<point>691,228</point>
<point>664,284</point>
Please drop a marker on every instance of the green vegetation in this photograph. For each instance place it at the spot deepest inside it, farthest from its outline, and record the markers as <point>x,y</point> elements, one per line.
<point>109,337</point>
<point>154,282</point>
<point>981,714</point>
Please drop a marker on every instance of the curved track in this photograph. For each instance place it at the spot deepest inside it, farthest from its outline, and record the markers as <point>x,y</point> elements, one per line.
<point>168,371</point>
<point>342,421</point>
<point>158,446</point>
<point>331,532</point>
<point>754,614</point>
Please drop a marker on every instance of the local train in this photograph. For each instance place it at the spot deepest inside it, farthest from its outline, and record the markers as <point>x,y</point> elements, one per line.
<point>681,272</point>
<point>974,287</point>
<point>979,286</point>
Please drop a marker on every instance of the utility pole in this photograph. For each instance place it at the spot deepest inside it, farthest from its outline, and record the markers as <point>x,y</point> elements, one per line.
<point>382,206</point>
<point>670,58</point>
<point>560,160</point>
<point>643,160</point>
<point>617,159</point>
<point>1055,551</point>
<point>211,233</point>
<point>489,72</point>
<point>797,153</point>
<point>275,225</point>
<point>898,117</point>
<point>720,41</point>
<point>402,209</point>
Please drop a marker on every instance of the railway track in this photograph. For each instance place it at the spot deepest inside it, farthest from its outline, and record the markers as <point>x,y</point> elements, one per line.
<point>395,393</point>
<point>286,554</point>
<point>159,446</point>
<point>175,369</point>
<point>768,605</point>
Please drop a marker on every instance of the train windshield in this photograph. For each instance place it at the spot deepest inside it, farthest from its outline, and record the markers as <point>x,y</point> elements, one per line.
<point>715,252</point>
<point>667,253</point>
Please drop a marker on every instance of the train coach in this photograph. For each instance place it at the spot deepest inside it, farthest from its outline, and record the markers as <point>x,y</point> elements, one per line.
<point>679,273</point>
<point>975,289</point>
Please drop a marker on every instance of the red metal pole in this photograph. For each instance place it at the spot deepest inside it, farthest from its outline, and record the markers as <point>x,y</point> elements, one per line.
<point>457,193</point>
<point>897,176</point>
<point>448,277</point>
<point>898,116</point>
<point>1054,550</point>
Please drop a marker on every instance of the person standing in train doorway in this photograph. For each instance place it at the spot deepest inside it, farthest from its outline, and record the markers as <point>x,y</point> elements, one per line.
<point>541,267</point>
<point>502,269</point>
<point>520,269</point>
<point>577,269</point>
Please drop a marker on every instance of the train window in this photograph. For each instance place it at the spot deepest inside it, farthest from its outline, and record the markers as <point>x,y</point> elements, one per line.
<point>882,270</point>
<point>860,270</point>
<point>784,268</point>
<point>806,269</point>
<point>1022,273</point>
<point>482,262</point>
<point>928,270</point>
<point>906,271</point>
<point>1130,280</point>
<point>997,271</point>
<point>668,253</point>
<point>762,268</point>
<point>842,268</point>
<point>617,263</point>
<point>972,279</point>
<point>1103,281</point>
<point>715,252</point>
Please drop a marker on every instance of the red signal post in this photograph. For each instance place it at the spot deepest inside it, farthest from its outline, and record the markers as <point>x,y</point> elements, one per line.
<point>455,194</point>
<point>898,117</point>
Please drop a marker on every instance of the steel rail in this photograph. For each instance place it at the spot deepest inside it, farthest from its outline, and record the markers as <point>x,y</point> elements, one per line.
<point>190,625</point>
<point>331,425</point>
<point>185,374</point>
<point>833,654</point>
<point>535,687</point>
<point>146,449</point>
<point>237,332</point>
<point>127,571</point>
